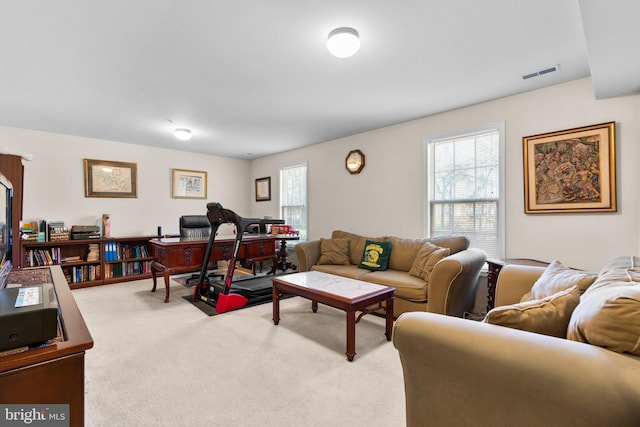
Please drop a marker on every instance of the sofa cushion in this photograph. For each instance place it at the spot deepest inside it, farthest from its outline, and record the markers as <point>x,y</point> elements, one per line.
<point>407,287</point>
<point>426,258</point>
<point>375,255</point>
<point>454,243</point>
<point>620,264</point>
<point>334,251</point>
<point>547,316</point>
<point>628,274</point>
<point>404,252</point>
<point>609,316</point>
<point>556,277</point>
<point>351,271</point>
<point>356,244</point>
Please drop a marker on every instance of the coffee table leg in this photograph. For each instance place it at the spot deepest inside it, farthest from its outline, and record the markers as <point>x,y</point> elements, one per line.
<point>351,335</point>
<point>314,306</point>
<point>276,305</point>
<point>389,318</point>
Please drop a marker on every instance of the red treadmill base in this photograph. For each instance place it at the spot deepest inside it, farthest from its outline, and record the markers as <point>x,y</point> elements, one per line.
<point>229,302</point>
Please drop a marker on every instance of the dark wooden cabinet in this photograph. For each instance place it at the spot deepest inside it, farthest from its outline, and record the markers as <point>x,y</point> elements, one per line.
<point>53,374</point>
<point>11,167</point>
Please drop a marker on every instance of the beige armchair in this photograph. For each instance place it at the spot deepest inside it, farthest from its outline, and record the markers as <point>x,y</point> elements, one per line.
<point>464,373</point>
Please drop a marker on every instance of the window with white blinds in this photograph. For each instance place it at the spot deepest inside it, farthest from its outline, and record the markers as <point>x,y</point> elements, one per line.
<point>465,186</point>
<point>293,197</point>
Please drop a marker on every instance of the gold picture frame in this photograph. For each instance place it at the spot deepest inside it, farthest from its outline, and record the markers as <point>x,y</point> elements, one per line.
<point>263,189</point>
<point>188,184</point>
<point>105,178</point>
<point>571,171</point>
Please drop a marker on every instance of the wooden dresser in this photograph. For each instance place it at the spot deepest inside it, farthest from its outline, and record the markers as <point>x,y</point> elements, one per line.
<point>53,374</point>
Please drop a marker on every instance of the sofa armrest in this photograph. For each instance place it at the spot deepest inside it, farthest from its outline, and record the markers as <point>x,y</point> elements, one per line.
<point>462,372</point>
<point>308,254</point>
<point>514,281</point>
<point>453,282</point>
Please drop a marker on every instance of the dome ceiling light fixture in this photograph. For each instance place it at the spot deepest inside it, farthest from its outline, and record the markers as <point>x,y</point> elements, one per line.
<point>183,134</point>
<point>343,42</point>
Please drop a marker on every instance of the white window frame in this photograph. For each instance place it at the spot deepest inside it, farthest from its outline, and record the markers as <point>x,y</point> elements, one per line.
<point>303,237</point>
<point>428,171</point>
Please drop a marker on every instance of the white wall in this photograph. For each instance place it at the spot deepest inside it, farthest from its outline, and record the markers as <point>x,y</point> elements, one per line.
<point>387,197</point>
<point>54,182</point>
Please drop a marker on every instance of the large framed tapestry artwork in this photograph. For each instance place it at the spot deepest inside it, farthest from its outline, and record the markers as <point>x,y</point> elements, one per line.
<point>572,170</point>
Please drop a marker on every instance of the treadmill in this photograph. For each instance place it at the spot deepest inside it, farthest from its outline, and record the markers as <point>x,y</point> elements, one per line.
<point>225,296</point>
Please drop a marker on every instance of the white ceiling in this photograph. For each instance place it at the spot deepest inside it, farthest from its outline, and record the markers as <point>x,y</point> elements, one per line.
<point>253,77</point>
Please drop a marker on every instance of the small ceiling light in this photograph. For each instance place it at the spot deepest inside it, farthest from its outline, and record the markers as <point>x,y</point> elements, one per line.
<point>343,42</point>
<point>182,134</point>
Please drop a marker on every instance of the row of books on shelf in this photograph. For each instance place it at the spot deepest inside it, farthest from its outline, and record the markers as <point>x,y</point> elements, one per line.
<point>131,268</point>
<point>116,251</point>
<point>81,273</point>
<point>52,256</point>
<point>40,257</point>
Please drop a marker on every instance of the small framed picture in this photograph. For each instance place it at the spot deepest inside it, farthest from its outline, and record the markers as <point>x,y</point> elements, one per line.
<point>188,184</point>
<point>104,178</point>
<point>571,171</point>
<point>263,189</point>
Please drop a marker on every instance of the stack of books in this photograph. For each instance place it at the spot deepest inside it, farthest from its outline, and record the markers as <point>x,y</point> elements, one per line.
<point>94,252</point>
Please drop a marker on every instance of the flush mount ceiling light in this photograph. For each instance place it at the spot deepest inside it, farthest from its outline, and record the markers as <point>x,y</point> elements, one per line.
<point>182,134</point>
<point>343,42</point>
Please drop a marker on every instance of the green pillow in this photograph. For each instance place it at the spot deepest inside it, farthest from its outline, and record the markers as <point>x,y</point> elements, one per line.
<point>375,256</point>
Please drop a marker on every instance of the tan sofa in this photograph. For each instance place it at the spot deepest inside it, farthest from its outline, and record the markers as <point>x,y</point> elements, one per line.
<point>450,285</point>
<point>461,372</point>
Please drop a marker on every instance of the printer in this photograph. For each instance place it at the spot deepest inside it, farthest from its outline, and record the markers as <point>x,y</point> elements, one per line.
<point>82,232</point>
<point>28,315</point>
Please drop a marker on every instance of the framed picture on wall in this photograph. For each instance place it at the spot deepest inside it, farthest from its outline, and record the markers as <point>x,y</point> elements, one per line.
<point>263,189</point>
<point>571,170</point>
<point>188,184</point>
<point>104,178</point>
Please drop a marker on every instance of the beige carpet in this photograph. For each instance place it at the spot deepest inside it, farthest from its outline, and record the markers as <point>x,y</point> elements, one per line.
<point>156,364</point>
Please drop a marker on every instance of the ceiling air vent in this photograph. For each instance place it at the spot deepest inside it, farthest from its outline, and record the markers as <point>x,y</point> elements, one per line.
<point>541,72</point>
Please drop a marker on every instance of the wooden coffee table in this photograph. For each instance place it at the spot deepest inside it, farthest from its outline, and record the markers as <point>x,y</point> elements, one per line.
<point>349,295</point>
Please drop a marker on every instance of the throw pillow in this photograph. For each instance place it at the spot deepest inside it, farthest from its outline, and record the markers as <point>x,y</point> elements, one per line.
<point>609,317</point>
<point>375,256</point>
<point>555,278</point>
<point>548,316</point>
<point>426,258</point>
<point>334,251</point>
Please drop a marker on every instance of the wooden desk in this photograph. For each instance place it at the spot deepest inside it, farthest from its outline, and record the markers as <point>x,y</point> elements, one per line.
<point>183,255</point>
<point>53,374</point>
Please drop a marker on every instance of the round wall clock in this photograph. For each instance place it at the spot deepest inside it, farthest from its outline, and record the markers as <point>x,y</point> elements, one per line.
<point>354,161</point>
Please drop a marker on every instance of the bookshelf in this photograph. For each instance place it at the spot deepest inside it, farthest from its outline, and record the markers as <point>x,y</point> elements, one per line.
<point>92,262</point>
<point>126,258</point>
